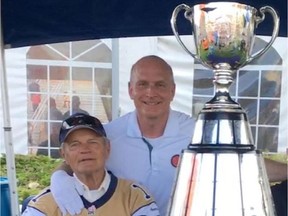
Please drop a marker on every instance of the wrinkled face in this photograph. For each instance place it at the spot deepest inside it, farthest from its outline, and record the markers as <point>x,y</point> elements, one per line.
<point>152,88</point>
<point>85,151</point>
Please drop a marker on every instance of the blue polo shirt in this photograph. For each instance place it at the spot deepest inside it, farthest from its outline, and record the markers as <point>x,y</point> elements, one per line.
<point>150,162</point>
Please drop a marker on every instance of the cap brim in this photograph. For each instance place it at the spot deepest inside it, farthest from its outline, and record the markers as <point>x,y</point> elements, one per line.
<point>81,127</point>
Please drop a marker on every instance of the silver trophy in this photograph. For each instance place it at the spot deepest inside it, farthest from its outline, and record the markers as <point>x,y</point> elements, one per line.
<point>221,173</point>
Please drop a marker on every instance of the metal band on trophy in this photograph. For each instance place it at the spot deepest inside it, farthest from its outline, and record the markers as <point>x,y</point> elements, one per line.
<point>221,173</point>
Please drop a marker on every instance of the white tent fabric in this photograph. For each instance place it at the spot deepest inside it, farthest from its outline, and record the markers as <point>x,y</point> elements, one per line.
<point>130,49</point>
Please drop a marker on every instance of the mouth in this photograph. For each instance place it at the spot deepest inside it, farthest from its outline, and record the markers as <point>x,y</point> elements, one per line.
<point>86,159</point>
<point>151,103</point>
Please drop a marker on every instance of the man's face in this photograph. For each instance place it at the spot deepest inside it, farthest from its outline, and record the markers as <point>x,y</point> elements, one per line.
<point>152,89</point>
<point>85,152</point>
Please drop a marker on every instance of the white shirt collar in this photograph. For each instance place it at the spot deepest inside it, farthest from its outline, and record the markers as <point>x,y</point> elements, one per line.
<point>93,195</point>
<point>171,129</point>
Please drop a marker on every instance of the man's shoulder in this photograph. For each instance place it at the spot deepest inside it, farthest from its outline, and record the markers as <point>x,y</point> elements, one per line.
<point>121,118</point>
<point>118,123</point>
<point>66,114</point>
<point>42,204</point>
<point>42,200</point>
<point>181,115</point>
<point>140,201</point>
<point>182,118</point>
<point>85,112</point>
<point>134,188</point>
<point>125,185</point>
<point>56,114</point>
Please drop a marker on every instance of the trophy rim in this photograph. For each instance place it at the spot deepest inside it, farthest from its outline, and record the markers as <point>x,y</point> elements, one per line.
<point>226,3</point>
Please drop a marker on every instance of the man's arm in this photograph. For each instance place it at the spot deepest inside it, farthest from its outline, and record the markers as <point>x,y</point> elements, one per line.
<point>64,191</point>
<point>276,171</point>
<point>65,167</point>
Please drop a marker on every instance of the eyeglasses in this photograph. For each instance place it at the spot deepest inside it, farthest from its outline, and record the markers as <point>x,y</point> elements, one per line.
<point>80,119</point>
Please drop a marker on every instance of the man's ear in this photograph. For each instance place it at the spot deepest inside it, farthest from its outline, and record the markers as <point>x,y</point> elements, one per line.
<point>173,90</point>
<point>108,148</point>
<point>61,151</point>
<point>130,90</point>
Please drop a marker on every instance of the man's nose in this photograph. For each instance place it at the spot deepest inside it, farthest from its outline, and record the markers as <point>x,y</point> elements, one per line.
<point>151,89</point>
<point>85,147</point>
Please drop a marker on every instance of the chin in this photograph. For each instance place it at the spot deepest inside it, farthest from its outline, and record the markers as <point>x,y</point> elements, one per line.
<point>85,166</point>
<point>155,113</point>
<point>87,170</point>
<point>150,115</point>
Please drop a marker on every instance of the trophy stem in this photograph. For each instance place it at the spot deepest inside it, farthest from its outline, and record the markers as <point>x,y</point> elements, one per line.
<point>222,99</point>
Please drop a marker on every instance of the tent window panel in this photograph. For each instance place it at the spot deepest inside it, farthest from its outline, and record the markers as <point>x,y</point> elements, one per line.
<point>269,112</point>
<point>268,139</point>
<point>250,106</point>
<point>251,89</point>
<point>198,104</point>
<point>203,82</point>
<point>98,53</point>
<point>248,83</point>
<point>103,108</point>
<point>59,73</point>
<point>44,52</point>
<point>35,72</point>
<point>61,76</point>
<point>271,84</point>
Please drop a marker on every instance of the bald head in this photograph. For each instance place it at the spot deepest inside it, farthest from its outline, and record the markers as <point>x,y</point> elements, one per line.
<point>152,90</point>
<point>151,61</point>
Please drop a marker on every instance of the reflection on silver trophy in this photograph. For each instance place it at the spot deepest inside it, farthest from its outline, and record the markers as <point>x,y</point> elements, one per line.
<point>221,173</point>
<point>223,36</point>
<point>224,32</point>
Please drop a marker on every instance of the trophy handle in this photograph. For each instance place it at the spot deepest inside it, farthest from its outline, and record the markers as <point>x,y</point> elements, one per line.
<point>275,30</point>
<point>175,30</point>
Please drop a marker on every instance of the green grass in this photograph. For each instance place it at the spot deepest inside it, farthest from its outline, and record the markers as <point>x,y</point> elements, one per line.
<point>281,157</point>
<point>32,173</point>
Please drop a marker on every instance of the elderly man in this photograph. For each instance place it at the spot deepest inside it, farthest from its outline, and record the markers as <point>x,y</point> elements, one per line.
<point>85,149</point>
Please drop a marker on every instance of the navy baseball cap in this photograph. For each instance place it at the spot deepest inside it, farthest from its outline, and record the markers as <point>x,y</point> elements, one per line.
<point>80,120</point>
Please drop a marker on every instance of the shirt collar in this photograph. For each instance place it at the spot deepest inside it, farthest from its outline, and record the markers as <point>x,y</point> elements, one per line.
<point>133,129</point>
<point>104,185</point>
<point>171,129</point>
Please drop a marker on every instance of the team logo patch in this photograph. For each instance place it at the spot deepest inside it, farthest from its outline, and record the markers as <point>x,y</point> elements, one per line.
<point>92,210</point>
<point>175,160</point>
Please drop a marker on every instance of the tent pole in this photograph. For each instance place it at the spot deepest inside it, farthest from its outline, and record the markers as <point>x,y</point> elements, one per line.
<point>10,159</point>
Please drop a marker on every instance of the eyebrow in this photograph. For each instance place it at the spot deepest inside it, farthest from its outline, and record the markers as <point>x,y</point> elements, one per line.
<point>90,139</point>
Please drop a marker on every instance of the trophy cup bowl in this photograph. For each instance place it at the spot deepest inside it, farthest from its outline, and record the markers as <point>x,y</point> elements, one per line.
<point>223,38</point>
<point>224,32</point>
<point>221,173</point>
